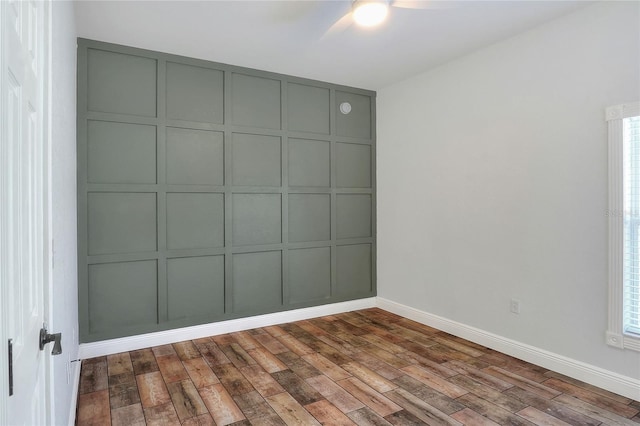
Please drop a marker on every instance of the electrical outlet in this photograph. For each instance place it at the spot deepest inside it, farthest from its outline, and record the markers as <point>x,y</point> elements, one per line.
<point>514,306</point>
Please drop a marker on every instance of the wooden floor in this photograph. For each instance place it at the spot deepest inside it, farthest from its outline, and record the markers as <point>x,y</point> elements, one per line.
<point>367,367</point>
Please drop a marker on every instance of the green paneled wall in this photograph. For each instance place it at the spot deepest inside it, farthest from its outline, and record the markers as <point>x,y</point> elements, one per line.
<point>208,192</point>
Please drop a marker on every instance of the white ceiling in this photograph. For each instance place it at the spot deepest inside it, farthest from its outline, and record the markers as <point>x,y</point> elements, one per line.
<point>287,36</point>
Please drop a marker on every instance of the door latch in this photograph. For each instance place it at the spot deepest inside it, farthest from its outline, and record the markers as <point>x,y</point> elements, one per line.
<point>10,350</point>
<point>45,338</point>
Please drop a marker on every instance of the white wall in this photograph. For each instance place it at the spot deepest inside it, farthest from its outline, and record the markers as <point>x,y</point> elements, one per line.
<point>492,184</point>
<point>64,299</point>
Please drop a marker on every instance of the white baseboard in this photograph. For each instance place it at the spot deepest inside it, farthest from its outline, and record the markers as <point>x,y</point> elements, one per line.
<point>123,344</point>
<point>588,373</point>
<point>75,377</point>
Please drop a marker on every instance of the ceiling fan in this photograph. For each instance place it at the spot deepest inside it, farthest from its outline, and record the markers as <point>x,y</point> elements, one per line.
<point>370,13</point>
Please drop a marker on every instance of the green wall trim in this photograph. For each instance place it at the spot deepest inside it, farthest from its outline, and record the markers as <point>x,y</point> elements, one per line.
<point>209,192</point>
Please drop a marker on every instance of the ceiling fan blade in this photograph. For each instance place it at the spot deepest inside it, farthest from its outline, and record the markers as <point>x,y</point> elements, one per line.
<point>291,11</point>
<point>339,26</point>
<point>422,4</point>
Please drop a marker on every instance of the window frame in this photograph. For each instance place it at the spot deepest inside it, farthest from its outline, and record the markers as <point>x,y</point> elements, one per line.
<point>615,335</point>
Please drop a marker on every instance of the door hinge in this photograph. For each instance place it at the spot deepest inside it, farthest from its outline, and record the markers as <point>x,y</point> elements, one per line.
<point>10,353</point>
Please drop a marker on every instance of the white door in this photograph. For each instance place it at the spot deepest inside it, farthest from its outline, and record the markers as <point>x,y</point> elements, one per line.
<point>24,224</point>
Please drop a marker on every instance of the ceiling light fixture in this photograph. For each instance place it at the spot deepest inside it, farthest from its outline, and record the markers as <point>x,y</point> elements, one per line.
<point>369,13</point>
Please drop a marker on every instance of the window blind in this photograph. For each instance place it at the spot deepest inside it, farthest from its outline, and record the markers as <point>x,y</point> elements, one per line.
<point>631,211</point>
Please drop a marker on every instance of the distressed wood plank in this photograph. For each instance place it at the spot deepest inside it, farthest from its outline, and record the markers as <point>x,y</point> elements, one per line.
<point>267,360</point>
<point>118,364</point>
<point>591,388</point>
<point>200,373</point>
<point>453,338</point>
<point>171,368</point>
<point>382,368</point>
<point>369,377</point>
<point>245,340</point>
<point>471,418</point>
<point>414,336</point>
<point>186,400</point>
<point>389,336</point>
<point>530,385</point>
<point>223,339</point>
<point>327,414</point>
<point>300,390</point>
<point>435,382</point>
<point>446,353</point>
<point>335,394</point>
<point>232,379</point>
<point>328,368</point>
<point>298,365</point>
<point>385,356</point>
<point>213,355</point>
<point>367,417</point>
<point>385,344</point>
<point>122,379</point>
<point>291,412</point>
<point>416,326</point>
<point>492,411</point>
<point>329,352</point>
<point>221,406</point>
<point>295,345</point>
<point>274,330</point>
<point>238,356</point>
<point>592,398</point>
<point>431,396</point>
<point>161,415</point>
<point>311,328</point>
<point>272,420</point>
<point>131,415</point>
<point>593,411</point>
<point>201,420</point>
<point>403,418</point>
<point>457,346</point>
<point>93,408</point>
<point>479,389</point>
<point>152,389</point>
<point>528,371</point>
<point>427,364</point>
<point>93,376</point>
<point>552,407</point>
<point>261,380</point>
<point>256,409</point>
<point>143,361</point>
<point>163,350</point>
<point>123,391</point>
<point>420,409</point>
<point>540,418</point>
<point>338,344</point>
<point>478,375</point>
<point>270,343</point>
<point>349,328</point>
<point>372,399</point>
<point>186,350</point>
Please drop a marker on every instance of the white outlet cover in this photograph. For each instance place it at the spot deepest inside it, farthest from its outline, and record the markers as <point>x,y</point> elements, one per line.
<point>514,306</point>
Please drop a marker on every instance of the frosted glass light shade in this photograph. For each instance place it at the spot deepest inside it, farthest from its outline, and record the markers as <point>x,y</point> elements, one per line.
<point>370,13</point>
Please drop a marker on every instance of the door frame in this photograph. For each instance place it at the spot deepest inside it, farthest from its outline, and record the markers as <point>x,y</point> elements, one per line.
<point>47,217</point>
<point>4,377</point>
